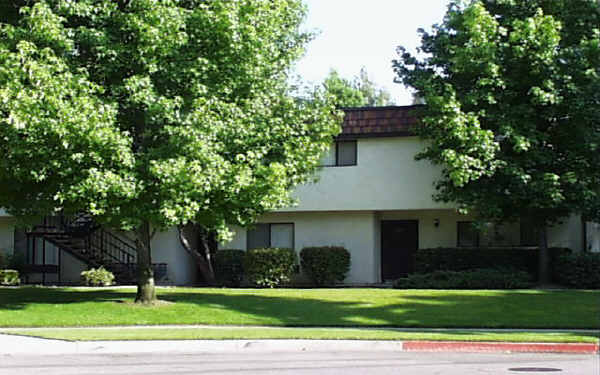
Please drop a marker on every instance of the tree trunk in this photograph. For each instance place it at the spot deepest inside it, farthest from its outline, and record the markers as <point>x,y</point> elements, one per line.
<point>203,264</point>
<point>146,292</point>
<point>543,258</point>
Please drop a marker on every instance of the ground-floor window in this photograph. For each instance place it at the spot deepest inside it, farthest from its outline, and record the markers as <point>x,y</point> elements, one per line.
<point>495,235</point>
<point>467,234</point>
<point>271,235</point>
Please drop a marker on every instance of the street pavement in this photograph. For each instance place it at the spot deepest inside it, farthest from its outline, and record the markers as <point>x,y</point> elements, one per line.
<point>23,355</point>
<point>299,363</point>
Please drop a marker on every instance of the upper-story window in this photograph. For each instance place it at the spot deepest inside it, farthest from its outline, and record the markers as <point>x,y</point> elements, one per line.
<point>340,154</point>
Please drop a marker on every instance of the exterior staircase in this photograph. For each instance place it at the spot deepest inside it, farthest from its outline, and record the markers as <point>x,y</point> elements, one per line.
<point>93,245</point>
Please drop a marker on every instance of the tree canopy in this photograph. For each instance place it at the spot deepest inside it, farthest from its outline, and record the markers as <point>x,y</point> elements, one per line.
<point>513,106</point>
<point>152,114</point>
<point>359,92</point>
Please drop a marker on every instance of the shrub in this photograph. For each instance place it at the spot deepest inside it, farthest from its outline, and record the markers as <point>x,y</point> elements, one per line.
<point>97,277</point>
<point>461,259</point>
<point>9,277</point>
<point>269,267</point>
<point>481,278</point>
<point>229,266</point>
<point>325,265</point>
<point>578,270</point>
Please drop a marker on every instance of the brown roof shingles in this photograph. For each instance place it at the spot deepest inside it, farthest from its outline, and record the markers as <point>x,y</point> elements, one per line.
<point>378,121</point>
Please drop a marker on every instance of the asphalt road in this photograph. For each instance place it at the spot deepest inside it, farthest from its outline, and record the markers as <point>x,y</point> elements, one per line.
<point>325,363</point>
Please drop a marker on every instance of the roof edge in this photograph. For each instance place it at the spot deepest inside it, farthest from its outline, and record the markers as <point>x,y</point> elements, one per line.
<point>381,108</point>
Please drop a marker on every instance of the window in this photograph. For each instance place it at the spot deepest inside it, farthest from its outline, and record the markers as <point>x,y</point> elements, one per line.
<point>346,153</point>
<point>496,235</point>
<point>340,154</point>
<point>486,235</point>
<point>467,234</point>
<point>271,235</point>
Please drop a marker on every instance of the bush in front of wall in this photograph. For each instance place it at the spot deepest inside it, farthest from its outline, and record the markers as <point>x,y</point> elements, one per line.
<point>578,270</point>
<point>269,267</point>
<point>481,278</point>
<point>229,266</point>
<point>461,259</point>
<point>325,265</point>
<point>9,277</point>
<point>97,277</point>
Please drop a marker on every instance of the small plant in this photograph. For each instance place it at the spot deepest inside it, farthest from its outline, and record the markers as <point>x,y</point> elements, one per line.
<point>97,277</point>
<point>9,277</point>
<point>325,265</point>
<point>229,266</point>
<point>482,278</point>
<point>269,267</point>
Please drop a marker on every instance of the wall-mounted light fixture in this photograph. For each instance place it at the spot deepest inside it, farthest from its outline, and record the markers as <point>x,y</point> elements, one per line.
<point>436,222</point>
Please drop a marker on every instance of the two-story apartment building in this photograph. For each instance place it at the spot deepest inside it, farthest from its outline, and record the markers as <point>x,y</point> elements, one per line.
<point>371,197</point>
<point>374,199</point>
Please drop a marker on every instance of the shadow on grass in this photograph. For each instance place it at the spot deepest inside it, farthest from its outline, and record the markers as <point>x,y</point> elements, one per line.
<point>304,308</point>
<point>20,298</point>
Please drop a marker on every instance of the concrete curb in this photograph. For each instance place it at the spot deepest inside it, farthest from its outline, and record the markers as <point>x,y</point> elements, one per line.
<point>21,345</point>
<point>511,347</point>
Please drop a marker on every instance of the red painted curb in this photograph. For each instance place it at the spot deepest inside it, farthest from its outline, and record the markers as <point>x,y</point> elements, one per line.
<point>458,346</point>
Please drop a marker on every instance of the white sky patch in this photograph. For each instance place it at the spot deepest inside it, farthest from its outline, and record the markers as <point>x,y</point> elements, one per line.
<point>357,33</point>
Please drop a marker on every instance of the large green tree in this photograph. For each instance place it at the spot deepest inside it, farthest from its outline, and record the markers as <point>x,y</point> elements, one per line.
<point>513,108</point>
<point>358,92</point>
<point>149,114</point>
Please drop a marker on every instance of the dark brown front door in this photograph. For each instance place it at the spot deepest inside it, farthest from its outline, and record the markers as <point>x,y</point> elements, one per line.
<point>399,241</point>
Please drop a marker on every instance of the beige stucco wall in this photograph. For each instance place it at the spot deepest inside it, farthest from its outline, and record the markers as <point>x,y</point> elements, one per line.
<point>166,248</point>
<point>70,268</point>
<point>593,237</point>
<point>7,230</point>
<point>568,233</point>
<point>386,177</point>
<point>356,231</point>
<point>359,232</point>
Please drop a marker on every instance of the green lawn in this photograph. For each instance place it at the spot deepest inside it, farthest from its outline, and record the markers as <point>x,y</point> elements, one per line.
<point>64,307</point>
<point>220,333</point>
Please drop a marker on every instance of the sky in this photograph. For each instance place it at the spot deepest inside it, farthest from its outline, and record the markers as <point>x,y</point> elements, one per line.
<point>357,33</point>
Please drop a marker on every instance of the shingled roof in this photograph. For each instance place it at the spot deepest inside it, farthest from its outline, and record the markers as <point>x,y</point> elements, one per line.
<point>363,122</point>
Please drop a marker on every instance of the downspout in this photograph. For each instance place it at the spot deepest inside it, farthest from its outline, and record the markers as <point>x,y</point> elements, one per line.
<point>584,233</point>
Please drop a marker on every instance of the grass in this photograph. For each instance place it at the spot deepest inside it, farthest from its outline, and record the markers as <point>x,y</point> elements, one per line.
<point>220,333</point>
<point>76,307</point>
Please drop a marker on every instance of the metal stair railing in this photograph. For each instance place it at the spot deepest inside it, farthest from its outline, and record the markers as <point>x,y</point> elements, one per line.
<point>99,246</point>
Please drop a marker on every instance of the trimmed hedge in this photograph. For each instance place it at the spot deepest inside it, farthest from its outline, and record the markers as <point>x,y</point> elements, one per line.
<point>460,259</point>
<point>269,267</point>
<point>9,277</point>
<point>325,265</point>
<point>481,278</point>
<point>579,270</point>
<point>229,266</point>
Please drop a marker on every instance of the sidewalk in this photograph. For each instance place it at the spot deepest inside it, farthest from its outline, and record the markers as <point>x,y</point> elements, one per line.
<point>22,345</point>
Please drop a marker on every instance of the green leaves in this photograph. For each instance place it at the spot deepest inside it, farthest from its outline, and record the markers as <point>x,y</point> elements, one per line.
<point>169,112</point>
<point>356,93</point>
<point>512,106</point>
